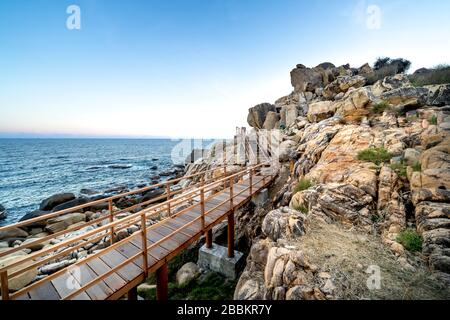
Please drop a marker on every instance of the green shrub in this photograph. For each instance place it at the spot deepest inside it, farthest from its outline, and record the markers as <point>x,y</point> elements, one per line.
<point>375,155</point>
<point>438,75</point>
<point>376,218</point>
<point>380,107</point>
<point>302,209</point>
<point>433,120</point>
<point>417,166</point>
<point>411,240</point>
<point>399,168</point>
<point>303,184</point>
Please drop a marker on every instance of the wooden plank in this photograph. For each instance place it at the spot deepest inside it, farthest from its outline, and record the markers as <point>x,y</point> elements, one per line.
<point>98,291</point>
<point>177,223</point>
<point>46,291</point>
<point>24,296</point>
<point>128,249</point>
<point>114,281</point>
<point>156,253</point>
<point>170,244</point>
<point>128,272</point>
<point>65,284</point>
<point>177,237</point>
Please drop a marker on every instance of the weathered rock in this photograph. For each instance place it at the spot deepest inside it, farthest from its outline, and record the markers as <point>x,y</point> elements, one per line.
<point>149,195</point>
<point>289,114</point>
<point>23,279</point>
<point>187,273</point>
<point>319,111</point>
<point>355,103</point>
<point>257,115</point>
<point>57,199</point>
<point>432,215</point>
<point>406,97</point>
<point>35,214</point>
<point>70,204</point>
<point>286,151</point>
<point>411,156</point>
<point>272,121</point>
<point>390,83</point>
<point>284,223</point>
<point>439,95</point>
<point>342,84</point>
<point>3,213</point>
<point>63,222</point>
<point>306,79</point>
<point>53,267</point>
<point>13,233</point>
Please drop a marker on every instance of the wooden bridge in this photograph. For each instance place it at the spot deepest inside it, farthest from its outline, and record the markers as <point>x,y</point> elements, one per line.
<point>184,216</point>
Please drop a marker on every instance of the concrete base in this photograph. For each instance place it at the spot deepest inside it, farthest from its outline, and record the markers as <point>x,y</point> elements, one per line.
<point>216,259</point>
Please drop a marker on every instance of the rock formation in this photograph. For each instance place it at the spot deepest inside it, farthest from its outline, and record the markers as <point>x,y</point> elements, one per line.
<point>377,161</point>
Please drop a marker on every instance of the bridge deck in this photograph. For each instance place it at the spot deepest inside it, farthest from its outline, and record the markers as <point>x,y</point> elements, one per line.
<point>177,233</point>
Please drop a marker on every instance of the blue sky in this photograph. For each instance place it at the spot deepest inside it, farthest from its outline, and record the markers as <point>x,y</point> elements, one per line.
<point>187,68</point>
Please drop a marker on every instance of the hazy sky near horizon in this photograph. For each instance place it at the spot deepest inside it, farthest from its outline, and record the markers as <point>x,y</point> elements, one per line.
<point>188,68</point>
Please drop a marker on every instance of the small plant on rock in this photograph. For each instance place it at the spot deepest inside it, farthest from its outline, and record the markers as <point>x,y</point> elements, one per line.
<point>417,166</point>
<point>433,120</point>
<point>411,240</point>
<point>375,155</point>
<point>399,168</point>
<point>302,209</point>
<point>380,107</point>
<point>303,184</point>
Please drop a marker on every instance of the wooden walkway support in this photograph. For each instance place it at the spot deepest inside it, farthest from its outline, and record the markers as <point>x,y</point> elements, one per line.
<point>117,270</point>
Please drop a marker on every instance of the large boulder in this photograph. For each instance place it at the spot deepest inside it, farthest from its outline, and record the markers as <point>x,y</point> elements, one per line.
<point>338,161</point>
<point>343,84</point>
<point>284,223</point>
<point>272,121</point>
<point>390,83</point>
<point>355,102</point>
<point>63,222</point>
<point>257,115</point>
<point>187,273</point>
<point>406,97</point>
<point>35,214</point>
<point>319,111</point>
<point>286,151</point>
<point>439,95</point>
<point>13,233</point>
<point>57,199</point>
<point>3,213</point>
<point>289,114</point>
<point>23,279</point>
<point>70,204</point>
<point>305,79</point>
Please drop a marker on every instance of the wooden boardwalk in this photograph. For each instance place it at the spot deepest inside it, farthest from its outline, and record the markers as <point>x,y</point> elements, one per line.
<point>118,269</point>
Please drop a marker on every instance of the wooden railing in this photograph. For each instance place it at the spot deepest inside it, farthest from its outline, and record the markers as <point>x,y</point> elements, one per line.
<point>197,192</point>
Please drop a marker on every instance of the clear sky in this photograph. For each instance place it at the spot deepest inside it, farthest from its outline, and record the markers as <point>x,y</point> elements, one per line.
<point>187,68</point>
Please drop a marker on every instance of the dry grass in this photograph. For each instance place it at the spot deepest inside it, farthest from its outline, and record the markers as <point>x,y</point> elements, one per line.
<point>346,255</point>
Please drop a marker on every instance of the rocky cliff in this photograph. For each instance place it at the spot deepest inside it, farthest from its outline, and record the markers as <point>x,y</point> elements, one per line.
<point>367,188</point>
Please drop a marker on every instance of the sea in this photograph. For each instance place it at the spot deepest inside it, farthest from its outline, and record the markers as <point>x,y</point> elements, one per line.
<point>34,169</point>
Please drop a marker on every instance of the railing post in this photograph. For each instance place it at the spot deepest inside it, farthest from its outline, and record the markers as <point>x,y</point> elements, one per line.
<point>4,285</point>
<point>202,204</point>
<point>144,243</point>
<point>231,222</point>
<point>168,198</point>
<point>251,182</point>
<point>111,219</point>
